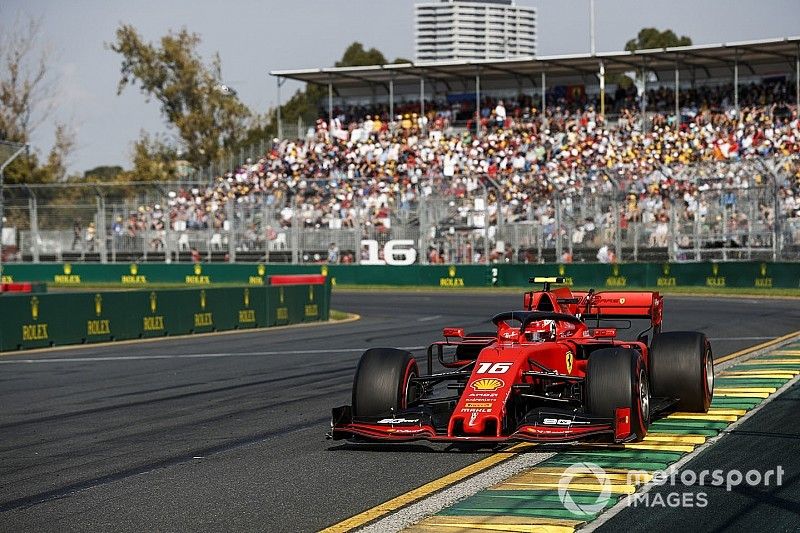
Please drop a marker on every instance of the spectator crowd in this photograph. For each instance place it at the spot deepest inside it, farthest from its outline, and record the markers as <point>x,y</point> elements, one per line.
<point>360,168</point>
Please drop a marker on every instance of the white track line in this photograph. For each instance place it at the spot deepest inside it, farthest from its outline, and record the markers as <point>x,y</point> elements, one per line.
<point>186,356</point>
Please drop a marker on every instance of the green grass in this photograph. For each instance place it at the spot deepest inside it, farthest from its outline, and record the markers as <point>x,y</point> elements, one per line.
<point>335,314</point>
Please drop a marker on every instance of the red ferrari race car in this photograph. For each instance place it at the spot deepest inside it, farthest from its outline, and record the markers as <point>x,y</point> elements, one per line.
<point>555,371</point>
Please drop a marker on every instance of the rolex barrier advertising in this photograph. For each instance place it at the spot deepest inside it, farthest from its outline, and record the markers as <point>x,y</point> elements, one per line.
<point>52,319</point>
<point>626,275</point>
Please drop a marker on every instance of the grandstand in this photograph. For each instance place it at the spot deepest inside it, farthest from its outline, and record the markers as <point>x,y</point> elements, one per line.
<point>702,163</point>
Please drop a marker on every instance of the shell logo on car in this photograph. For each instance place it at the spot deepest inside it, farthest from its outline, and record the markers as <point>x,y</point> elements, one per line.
<point>487,384</point>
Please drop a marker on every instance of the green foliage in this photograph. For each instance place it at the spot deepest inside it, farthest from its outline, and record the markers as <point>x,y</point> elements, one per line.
<point>652,38</point>
<point>194,102</point>
<point>356,56</point>
<point>102,173</point>
<point>305,104</point>
<point>153,160</point>
<point>648,38</point>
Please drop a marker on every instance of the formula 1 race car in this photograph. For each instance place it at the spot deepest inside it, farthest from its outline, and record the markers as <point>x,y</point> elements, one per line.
<point>553,372</point>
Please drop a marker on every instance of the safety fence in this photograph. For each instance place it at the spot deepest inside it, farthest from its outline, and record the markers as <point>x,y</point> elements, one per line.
<point>753,274</point>
<point>42,320</point>
<point>713,211</point>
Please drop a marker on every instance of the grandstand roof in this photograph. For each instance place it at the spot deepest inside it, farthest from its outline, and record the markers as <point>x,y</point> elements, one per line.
<point>707,59</point>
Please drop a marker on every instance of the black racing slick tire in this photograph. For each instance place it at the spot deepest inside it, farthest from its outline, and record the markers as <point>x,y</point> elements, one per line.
<point>682,366</point>
<point>617,378</point>
<point>382,383</point>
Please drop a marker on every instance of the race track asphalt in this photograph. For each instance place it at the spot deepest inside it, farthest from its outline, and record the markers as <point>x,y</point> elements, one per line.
<point>227,432</point>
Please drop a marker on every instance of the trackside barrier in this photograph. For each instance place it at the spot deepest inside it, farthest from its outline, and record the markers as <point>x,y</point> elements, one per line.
<point>40,320</point>
<point>626,275</point>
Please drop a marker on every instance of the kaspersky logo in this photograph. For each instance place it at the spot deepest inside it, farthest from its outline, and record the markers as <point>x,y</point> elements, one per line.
<point>487,384</point>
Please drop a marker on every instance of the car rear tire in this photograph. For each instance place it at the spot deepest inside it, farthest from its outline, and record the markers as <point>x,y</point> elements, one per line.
<point>382,383</point>
<point>682,366</point>
<point>617,378</point>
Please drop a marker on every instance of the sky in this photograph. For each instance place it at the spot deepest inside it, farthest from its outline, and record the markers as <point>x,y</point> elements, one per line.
<point>254,37</point>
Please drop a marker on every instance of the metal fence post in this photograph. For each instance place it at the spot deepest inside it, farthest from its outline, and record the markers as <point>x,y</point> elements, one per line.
<point>34,216</point>
<point>617,229</point>
<point>101,233</point>
<point>559,246</point>
<point>295,236</point>
<point>231,230</point>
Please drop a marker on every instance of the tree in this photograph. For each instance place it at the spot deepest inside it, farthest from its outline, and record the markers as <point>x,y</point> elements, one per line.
<point>652,38</point>
<point>103,173</point>
<point>205,114</point>
<point>356,56</point>
<point>305,104</point>
<point>26,102</point>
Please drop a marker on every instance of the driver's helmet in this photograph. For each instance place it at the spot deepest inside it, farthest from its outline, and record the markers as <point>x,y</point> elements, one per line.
<point>541,330</point>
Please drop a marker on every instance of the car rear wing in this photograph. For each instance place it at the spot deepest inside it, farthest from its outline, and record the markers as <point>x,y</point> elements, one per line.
<point>621,305</point>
